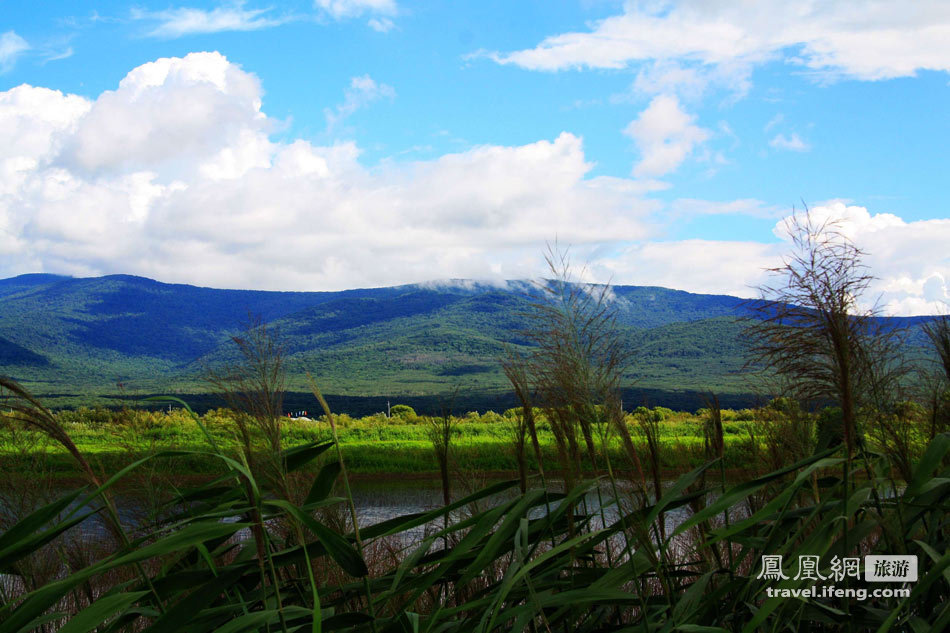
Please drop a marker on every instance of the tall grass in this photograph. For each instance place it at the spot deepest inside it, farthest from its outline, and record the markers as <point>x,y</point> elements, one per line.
<point>538,560</point>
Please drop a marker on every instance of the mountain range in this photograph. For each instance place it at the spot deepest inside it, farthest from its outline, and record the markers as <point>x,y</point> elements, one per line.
<point>93,340</point>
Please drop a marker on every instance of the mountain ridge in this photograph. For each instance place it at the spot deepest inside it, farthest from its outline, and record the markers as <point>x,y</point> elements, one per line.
<point>97,336</point>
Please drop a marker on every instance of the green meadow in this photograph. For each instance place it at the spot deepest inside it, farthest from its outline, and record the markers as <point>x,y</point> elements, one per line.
<point>754,439</point>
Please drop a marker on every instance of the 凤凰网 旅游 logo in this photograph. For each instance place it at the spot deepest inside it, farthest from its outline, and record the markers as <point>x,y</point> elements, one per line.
<point>809,577</point>
<point>877,568</point>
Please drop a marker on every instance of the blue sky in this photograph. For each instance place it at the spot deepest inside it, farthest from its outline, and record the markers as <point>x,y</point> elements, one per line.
<point>341,143</point>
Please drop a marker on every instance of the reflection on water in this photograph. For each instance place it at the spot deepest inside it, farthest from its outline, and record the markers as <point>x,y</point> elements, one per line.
<point>378,500</point>
<point>381,499</point>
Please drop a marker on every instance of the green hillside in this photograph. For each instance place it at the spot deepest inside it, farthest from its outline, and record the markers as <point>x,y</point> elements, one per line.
<point>78,340</point>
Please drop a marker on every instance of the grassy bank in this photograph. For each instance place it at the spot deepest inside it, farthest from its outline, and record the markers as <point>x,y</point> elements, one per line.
<point>371,445</point>
<point>755,440</point>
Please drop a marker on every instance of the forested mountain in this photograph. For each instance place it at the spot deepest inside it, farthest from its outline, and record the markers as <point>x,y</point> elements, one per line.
<point>87,337</point>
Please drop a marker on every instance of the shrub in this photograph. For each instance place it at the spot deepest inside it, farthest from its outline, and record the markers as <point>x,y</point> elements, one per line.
<point>403,411</point>
<point>662,413</point>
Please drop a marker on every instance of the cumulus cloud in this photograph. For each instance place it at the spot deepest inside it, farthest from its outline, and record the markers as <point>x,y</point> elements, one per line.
<point>172,113</point>
<point>910,260</point>
<point>867,40</point>
<point>792,143</point>
<point>177,22</point>
<point>665,135</point>
<point>173,175</point>
<point>703,266</point>
<point>33,124</point>
<point>11,47</point>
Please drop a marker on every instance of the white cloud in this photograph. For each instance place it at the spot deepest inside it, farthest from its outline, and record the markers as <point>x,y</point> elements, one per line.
<point>33,124</point>
<point>910,260</point>
<point>665,136</point>
<point>745,206</point>
<point>860,40</point>
<point>361,92</point>
<point>11,47</point>
<point>703,266</point>
<point>65,53</point>
<point>172,175</point>
<point>775,120</point>
<point>383,25</point>
<point>665,77</point>
<point>178,22</point>
<point>169,113</point>
<point>792,143</point>
<point>691,81</point>
<point>935,289</point>
<point>381,12</point>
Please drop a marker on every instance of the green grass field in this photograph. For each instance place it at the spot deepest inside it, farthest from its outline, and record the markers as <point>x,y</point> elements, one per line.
<point>376,444</point>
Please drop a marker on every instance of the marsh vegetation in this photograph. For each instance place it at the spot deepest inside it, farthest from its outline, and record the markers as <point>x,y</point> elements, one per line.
<point>270,538</point>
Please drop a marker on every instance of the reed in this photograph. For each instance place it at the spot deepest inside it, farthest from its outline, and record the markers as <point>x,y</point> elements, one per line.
<point>519,562</point>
